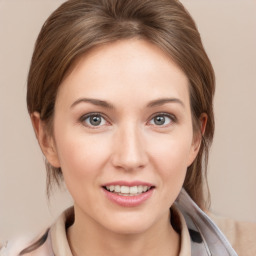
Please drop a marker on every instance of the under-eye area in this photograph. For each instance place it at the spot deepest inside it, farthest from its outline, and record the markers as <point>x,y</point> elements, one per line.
<point>128,191</point>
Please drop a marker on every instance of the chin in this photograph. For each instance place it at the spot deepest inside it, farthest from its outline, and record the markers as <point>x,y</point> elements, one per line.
<point>129,229</point>
<point>129,224</point>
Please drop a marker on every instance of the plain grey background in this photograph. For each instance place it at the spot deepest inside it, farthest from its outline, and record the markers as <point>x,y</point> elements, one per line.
<point>228,30</point>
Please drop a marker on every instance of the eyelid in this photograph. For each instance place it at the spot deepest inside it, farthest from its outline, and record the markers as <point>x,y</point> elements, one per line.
<point>85,116</point>
<point>171,116</point>
<point>108,121</point>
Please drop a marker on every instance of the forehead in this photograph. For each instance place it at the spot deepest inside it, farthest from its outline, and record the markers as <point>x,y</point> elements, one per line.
<point>132,64</point>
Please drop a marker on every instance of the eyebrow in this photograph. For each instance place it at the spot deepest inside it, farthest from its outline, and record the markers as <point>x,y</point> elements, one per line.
<point>105,104</point>
<point>96,102</point>
<point>163,101</point>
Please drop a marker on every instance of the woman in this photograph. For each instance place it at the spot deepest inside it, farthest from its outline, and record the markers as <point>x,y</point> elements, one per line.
<point>120,97</point>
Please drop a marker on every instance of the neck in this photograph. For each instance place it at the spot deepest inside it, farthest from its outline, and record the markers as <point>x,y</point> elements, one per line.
<point>87,239</point>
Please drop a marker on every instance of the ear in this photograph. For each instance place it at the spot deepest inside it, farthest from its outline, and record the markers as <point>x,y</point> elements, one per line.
<point>45,140</point>
<point>197,138</point>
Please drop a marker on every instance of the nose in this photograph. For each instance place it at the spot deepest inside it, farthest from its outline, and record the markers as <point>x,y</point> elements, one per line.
<point>129,149</point>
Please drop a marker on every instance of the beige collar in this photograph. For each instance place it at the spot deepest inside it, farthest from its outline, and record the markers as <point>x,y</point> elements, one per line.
<point>58,234</point>
<point>61,246</point>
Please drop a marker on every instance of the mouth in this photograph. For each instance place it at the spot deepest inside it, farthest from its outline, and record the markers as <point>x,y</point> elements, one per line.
<point>122,190</point>
<point>128,194</point>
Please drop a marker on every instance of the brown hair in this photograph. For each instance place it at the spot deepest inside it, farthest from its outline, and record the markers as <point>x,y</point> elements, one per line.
<point>79,25</point>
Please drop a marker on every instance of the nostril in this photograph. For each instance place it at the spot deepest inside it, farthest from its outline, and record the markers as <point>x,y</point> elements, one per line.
<point>129,153</point>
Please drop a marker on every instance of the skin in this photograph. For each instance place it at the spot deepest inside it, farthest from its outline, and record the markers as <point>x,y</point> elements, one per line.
<point>130,76</point>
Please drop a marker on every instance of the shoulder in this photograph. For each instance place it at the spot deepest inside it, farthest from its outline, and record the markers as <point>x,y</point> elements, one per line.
<point>241,235</point>
<point>51,240</point>
<point>40,246</point>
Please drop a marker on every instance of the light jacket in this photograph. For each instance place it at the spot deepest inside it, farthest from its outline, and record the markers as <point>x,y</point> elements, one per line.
<point>200,236</point>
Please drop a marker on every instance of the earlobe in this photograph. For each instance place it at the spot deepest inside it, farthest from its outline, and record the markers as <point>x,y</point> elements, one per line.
<point>35,119</point>
<point>203,122</point>
<point>45,140</point>
<point>198,135</point>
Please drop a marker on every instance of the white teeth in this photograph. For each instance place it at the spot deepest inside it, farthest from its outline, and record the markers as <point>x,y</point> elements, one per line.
<point>134,190</point>
<point>140,189</point>
<point>145,188</point>
<point>126,190</point>
<point>117,189</point>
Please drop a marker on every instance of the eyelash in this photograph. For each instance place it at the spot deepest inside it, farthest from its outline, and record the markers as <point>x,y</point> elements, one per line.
<point>172,118</point>
<point>91,115</point>
<point>83,119</point>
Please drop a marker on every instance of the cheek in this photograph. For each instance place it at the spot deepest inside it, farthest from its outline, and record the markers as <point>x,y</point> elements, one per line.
<point>170,155</point>
<point>80,155</point>
<point>170,161</point>
<point>172,151</point>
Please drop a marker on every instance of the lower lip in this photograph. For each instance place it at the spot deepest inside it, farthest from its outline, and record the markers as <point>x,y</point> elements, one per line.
<point>128,201</point>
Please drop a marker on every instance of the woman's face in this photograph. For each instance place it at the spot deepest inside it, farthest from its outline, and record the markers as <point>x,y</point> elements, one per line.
<point>123,136</point>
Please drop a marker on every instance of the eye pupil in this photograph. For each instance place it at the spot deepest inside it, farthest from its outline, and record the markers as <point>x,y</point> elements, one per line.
<point>95,120</point>
<point>159,120</point>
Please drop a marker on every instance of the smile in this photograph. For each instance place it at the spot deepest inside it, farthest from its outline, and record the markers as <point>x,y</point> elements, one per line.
<point>128,194</point>
<point>127,190</point>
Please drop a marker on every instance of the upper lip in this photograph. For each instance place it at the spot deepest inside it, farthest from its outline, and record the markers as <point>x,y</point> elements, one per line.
<point>128,183</point>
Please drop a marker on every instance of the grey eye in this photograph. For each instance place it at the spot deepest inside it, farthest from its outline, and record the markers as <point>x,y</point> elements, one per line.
<point>160,120</point>
<point>95,120</point>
